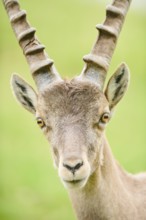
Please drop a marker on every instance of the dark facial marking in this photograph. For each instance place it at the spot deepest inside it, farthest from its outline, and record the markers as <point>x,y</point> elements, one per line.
<point>23,89</point>
<point>28,101</point>
<point>119,77</point>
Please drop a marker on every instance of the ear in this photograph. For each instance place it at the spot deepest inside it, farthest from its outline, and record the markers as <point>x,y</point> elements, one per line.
<point>117,85</point>
<point>24,93</point>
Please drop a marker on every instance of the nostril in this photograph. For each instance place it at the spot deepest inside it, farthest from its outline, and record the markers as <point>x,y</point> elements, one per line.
<point>78,166</point>
<point>74,168</point>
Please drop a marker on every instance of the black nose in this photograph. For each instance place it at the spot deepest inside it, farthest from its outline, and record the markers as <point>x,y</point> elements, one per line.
<point>73,169</point>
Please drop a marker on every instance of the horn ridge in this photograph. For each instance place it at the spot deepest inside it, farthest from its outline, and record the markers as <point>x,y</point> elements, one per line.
<point>38,61</point>
<point>98,60</point>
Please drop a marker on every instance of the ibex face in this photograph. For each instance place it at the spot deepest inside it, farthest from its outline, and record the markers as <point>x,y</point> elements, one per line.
<point>72,114</point>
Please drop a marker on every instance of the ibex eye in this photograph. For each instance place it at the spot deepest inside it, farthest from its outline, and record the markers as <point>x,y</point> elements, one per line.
<point>105,117</point>
<point>40,122</point>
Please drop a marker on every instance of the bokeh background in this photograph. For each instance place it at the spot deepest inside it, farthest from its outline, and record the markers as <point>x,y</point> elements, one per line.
<point>29,186</point>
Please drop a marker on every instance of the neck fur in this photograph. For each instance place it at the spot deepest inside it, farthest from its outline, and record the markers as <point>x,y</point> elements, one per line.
<point>105,192</point>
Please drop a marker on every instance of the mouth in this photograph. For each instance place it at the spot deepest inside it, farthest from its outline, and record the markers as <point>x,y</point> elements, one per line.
<point>75,183</point>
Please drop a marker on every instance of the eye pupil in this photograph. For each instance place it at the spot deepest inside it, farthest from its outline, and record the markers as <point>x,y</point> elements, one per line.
<point>40,122</point>
<point>105,117</point>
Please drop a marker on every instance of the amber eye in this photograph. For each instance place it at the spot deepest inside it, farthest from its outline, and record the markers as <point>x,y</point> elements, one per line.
<point>105,118</point>
<point>40,122</point>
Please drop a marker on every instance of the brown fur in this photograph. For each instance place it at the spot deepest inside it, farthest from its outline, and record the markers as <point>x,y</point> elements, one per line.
<point>72,112</point>
<point>71,109</point>
<point>73,115</point>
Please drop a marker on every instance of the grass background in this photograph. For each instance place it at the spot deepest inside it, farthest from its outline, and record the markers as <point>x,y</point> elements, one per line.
<point>29,186</point>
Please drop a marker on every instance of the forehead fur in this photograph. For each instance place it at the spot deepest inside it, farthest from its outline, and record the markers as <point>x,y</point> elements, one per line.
<point>71,97</point>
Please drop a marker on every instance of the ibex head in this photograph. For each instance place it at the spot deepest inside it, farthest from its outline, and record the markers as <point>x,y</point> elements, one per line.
<point>72,114</point>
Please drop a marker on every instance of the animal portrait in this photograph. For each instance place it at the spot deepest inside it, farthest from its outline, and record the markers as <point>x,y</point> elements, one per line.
<point>75,114</point>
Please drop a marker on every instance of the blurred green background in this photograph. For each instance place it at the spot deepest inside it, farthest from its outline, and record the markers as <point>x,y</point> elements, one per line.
<point>29,186</point>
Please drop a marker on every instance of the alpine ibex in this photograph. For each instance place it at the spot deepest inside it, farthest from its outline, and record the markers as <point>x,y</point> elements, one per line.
<point>73,116</point>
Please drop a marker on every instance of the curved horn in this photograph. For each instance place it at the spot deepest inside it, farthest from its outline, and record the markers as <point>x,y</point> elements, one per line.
<point>97,62</point>
<point>41,66</point>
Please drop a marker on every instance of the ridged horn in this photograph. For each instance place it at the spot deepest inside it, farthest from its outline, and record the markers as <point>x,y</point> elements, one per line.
<point>97,62</point>
<point>41,66</point>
